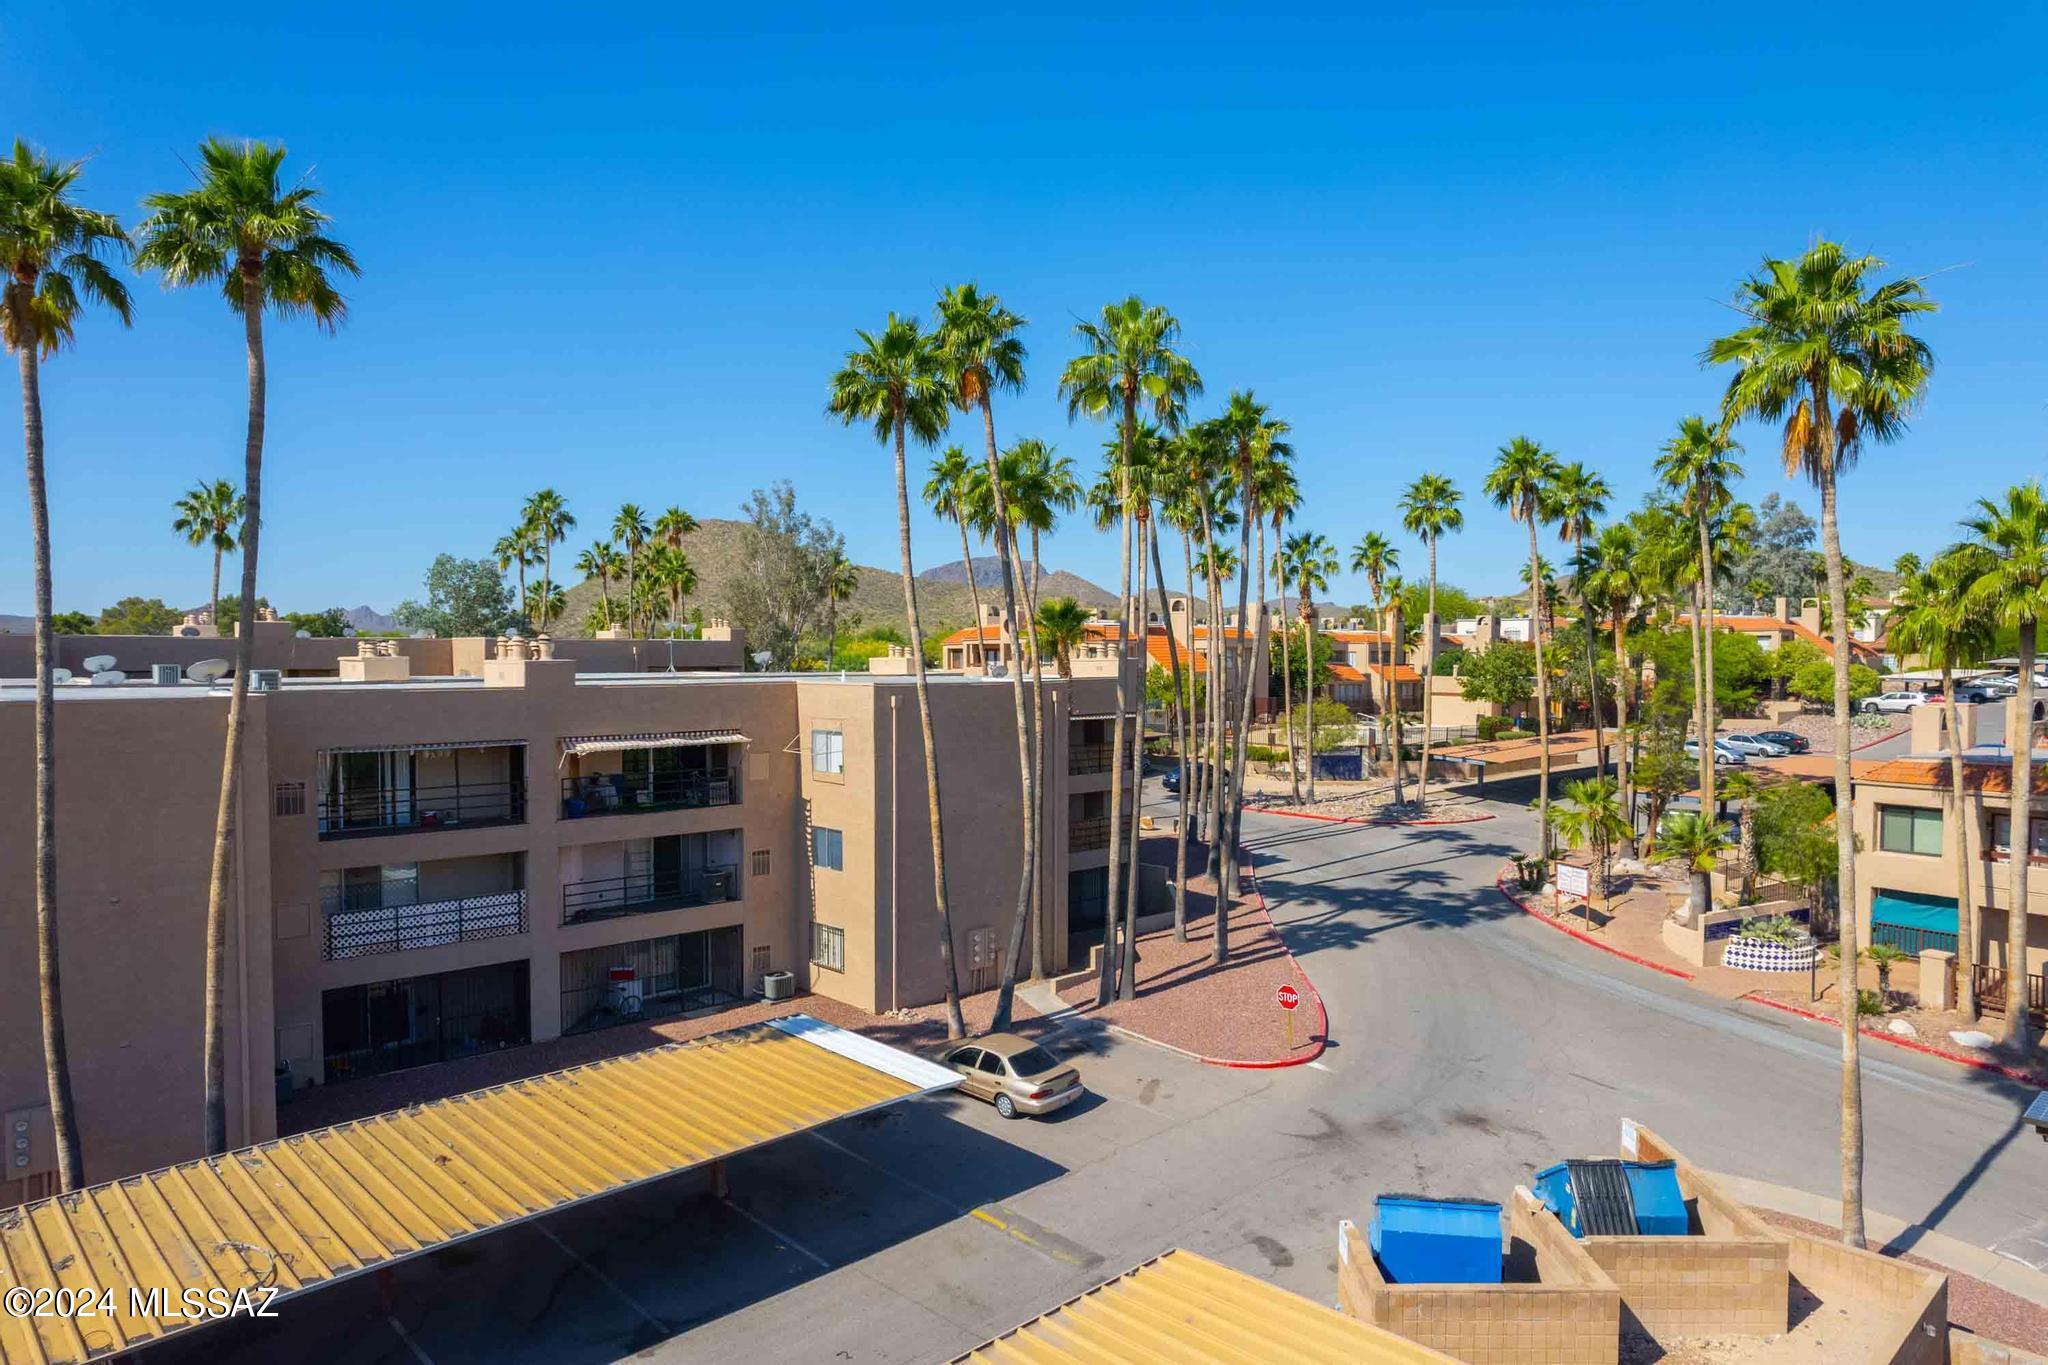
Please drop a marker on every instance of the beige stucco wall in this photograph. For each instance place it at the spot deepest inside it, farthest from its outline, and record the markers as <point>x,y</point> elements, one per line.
<point>1935,875</point>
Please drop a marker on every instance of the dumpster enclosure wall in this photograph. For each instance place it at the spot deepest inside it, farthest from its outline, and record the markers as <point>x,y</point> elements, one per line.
<point>1558,1306</point>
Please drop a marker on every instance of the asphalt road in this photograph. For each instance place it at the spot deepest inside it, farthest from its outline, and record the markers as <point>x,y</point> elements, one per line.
<point>1471,1046</point>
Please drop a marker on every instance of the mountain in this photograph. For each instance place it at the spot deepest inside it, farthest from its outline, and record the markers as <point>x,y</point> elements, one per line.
<point>945,603</point>
<point>369,618</point>
<point>988,576</point>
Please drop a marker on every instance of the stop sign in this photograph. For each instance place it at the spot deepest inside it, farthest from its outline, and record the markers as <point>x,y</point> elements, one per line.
<point>1288,997</point>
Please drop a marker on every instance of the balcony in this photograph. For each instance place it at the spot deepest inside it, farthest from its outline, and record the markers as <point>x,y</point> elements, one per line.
<point>646,793</point>
<point>645,893</point>
<point>453,805</point>
<point>1084,835</point>
<point>1083,759</point>
<point>365,920</point>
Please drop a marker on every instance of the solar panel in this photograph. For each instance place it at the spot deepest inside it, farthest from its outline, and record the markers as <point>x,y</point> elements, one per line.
<point>2037,1114</point>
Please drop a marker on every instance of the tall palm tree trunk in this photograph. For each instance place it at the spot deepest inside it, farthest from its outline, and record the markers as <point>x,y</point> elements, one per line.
<point>1183,707</point>
<point>1038,722</point>
<point>1592,674</point>
<point>216,588</point>
<point>1845,853</point>
<point>1394,705</point>
<point>1430,630</point>
<point>1127,979</point>
<point>1542,692</point>
<point>1105,980</point>
<point>1026,778</point>
<point>214,1064</point>
<point>49,973</point>
<point>1287,697</point>
<point>2018,1033</point>
<point>547,559</point>
<point>1709,722</point>
<point>1233,791</point>
<point>1624,771</point>
<point>1218,692</point>
<point>1699,705</point>
<point>974,592</point>
<point>956,1025</point>
<point>1966,918</point>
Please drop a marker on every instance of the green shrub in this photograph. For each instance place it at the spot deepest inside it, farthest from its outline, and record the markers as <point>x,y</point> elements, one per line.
<point>1261,753</point>
<point>1529,872</point>
<point>1490,727</point>
<point>1869,1003</point>
<point>1773,929</point>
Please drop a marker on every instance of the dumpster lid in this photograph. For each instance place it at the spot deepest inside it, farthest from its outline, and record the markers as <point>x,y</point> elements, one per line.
<point>1600,1189</point>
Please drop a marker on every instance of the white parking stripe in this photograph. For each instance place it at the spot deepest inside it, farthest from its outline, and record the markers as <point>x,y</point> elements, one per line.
<point>780,1236</point>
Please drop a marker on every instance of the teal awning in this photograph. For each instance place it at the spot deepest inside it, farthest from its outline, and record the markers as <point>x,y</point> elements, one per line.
<point>1909,910</point>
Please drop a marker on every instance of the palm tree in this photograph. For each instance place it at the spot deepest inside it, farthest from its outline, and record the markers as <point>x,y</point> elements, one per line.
<point>519,548</point>
<point>1314,560</point>
<point>842,581</point>
<point>1937,618</point>
<point>1283,574</point>
<point>2008,558</point>
<point>1062,625</point>
<point>267,247</point>
<point>670,572</point>
<point>630,529</point>
<point>896,381</point>
<point>51,248</point>
<point>211,515</point>
<point>945,492</point>
<point>1376,558</point>
<point>1589,815</point>
<point>1429,510</point>
<point>1579,497</point>
<point>983,353</point>
<point>1743,787</point>
<point>1045,489</point>
<point>1829,353</point>
<point>1610,583</point>
<point>1697,465</point>
<point>1254,440</point>
<point>1520,482</point>
<point>1128,358</point>
<point>672,525</point>
<point>601,561</point>
<point>548,513</point>
<point>1697,840</point>
<point>552,598</point>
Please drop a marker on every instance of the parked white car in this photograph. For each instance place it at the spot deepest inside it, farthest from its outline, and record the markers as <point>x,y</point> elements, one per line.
<point>1725,754</point>
<point>1749,746</point>
<point>1893,703</point>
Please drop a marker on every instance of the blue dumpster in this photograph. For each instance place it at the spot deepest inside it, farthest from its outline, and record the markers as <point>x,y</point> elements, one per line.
<point>1436,1241</point>
<point>1660,1204</point>
<point>1554,1188</point>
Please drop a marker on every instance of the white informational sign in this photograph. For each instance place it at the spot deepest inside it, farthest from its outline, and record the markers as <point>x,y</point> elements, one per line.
<point>1573,881</point>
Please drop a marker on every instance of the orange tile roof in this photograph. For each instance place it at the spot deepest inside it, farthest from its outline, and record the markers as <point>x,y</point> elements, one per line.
<point>1345,673</point>
<point>1402,673</point>
<point>1757,625</point>
<point>988,635</point>
<point>1984,779</point>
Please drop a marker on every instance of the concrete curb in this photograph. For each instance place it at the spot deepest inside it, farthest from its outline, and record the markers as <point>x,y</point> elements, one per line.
<point>2010,1073</point>
<point>1999,1271</point>
<point>1500,883</point>
<point>1354,820</point>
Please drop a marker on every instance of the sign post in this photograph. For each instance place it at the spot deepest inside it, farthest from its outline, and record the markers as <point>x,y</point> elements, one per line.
<point>1573,880</point>
<point>1290,1000</point>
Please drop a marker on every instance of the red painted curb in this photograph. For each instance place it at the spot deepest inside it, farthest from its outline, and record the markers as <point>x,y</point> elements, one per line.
<point>1354,820</point>
<point>1500,884</point>
<point>1322,1037</point>
<point>1910,1044</point>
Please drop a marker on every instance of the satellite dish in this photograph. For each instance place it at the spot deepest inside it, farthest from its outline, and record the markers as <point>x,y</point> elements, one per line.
<point>107,677</point>
<point>302,635</point>
<point>99,663</point>
<point>423,635</point>
<point>761,658</point>
<point>60,675</point>
<point>208,670</point>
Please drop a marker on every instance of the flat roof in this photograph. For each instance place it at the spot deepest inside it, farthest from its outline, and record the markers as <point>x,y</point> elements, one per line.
<point>1184,1307</point>
<point>305,1211</point>
<point>23,689</point>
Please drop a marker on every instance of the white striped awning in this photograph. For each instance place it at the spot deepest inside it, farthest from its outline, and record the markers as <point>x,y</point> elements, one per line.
<point>664,739</point>
<point>429,747</point>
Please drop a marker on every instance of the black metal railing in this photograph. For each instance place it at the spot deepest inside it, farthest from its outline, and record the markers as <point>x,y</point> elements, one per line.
<point>1083,759</point>
<point>455,805</point>
<point>1991,990</point>
<point>646,892</point>
<point>360,923</point>
<point>1912,940</point>
<point>619,794</point>
<point>1083,835</point>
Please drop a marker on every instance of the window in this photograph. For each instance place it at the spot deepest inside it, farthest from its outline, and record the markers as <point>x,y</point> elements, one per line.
<point>760,862</point>
<point>828,849</point>
<point>828,947</point>
<point>289,798</point>
<point>990,1064</point>
<point>1908,829</point>
<point>967,1057</point>
<point>2001,837</point>
<point>828,751</point>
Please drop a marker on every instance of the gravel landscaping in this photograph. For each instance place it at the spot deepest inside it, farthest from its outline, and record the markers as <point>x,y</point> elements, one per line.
<point>1819,729</point>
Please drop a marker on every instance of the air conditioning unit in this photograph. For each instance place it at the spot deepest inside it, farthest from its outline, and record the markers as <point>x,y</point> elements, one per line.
<point>165,675</point>
<point>265,679</point>
<point>777,985</point>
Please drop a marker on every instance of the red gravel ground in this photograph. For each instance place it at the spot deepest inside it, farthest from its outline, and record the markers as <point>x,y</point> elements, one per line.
<point>1972,1304</point>
<point>1222,1013</point>
<point>915,1030</point>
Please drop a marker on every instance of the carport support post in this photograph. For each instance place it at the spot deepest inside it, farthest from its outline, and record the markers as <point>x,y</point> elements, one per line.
<point>718,1182</point>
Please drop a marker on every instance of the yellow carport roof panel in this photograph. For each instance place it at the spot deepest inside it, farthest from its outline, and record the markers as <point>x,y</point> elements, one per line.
<point>1185,1308</point>
<point>309,1209</point>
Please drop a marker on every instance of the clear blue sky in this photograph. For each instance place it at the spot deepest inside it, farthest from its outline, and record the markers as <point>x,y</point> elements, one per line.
<point>620,249</point>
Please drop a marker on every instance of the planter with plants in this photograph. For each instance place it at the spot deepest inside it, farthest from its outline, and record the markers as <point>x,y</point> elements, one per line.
<point>1772,943</point>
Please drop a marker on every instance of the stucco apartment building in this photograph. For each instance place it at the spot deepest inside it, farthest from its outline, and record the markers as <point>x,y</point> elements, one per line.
<point>973,649</point>
<point>1913,835</point>
<point>431,865</point>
